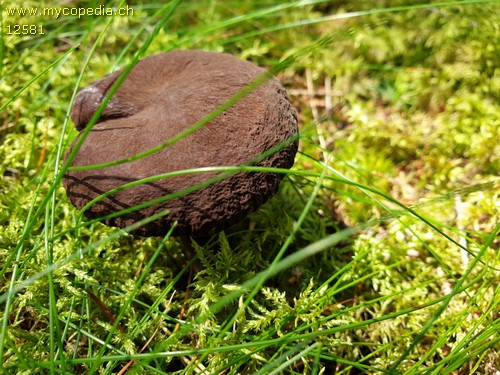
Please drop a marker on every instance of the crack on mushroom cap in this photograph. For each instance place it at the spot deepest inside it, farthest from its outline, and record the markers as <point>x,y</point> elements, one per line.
<point>162,96</point>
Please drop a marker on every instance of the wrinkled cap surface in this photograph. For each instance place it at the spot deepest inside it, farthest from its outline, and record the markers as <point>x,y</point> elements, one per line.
<point>162,96</point>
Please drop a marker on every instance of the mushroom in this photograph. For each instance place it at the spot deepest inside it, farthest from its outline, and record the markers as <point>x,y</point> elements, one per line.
<point>162,96</point>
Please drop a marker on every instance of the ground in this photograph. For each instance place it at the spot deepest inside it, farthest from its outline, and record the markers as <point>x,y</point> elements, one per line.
<point>379,254</point>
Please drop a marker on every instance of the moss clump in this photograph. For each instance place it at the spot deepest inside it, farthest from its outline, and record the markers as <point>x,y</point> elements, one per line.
<point>386,228</point>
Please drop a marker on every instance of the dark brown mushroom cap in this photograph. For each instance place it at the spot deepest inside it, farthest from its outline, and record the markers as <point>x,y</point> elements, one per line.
<point>162,96</point>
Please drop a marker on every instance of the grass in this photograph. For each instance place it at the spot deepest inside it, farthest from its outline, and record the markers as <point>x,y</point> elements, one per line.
<point>378,255</point>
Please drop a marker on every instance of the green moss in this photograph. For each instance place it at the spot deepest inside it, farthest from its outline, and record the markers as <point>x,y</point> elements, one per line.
<point>413,127</point>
